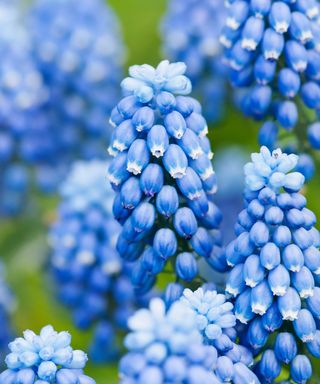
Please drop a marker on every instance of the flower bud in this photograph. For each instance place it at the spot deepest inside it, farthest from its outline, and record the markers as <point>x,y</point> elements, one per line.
<point>151,180</point>
<point>158,140</point>
<point>185,223</point>
<point>285,347</point>
<point>165,243</point>
<point>186,266</point>
<point>167,201</point>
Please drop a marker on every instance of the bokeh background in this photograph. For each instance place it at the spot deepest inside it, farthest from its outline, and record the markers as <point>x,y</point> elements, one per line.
<point>23,241</point>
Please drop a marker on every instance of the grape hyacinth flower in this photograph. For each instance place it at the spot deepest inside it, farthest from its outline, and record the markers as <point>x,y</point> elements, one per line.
<point>6,306</point>
<point>190,32</point>
<point>163,176</point>
<point>77,47</point>
<point>91,278</point>
<point>22,94</point>
<point>170,345</point>
<point>273,51</point>
<point>47,358</point>
<point>275,262</point>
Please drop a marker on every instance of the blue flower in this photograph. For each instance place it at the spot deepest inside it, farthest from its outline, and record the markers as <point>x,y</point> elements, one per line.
<point>214,313</point>
<point>46,358</point>
<point>22,94</point>
<point>163,176</point>
<point>167,345</point>
<point>78,51</point>
<point>190,31</point>
<point>272,51</point>
<point>92,280</point>
<point>275,266</point>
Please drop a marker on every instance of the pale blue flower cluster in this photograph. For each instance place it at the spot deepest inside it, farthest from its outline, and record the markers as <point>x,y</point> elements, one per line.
<point>170,347</point>
<point>190,32</point>
<point>273,50</point>
<point>92,280</point>
<point>163,176</point>
<point>275,261</point>
<point>22,94</point>
<point>46,358</point>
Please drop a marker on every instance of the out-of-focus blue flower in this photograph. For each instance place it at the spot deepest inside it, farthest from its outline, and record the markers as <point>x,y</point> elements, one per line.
<point>78,50</point>
<point>191,31</point>
<point>275,266</point>
<point>44,358</point>
<point>92,280</point>
<point>272,49</point>
<point>166,346</point>
<point>6,306</point>
<point>22,94</point>
<point>163,176</point>
<point>228,164</point>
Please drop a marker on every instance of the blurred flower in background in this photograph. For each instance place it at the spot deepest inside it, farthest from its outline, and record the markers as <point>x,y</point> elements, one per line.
<point>91,278</point>
<point>190,32</point>
<point>7,304</point>
<point>77,47</point>
<point>228,165</point>
<point>59,73</point>
<point>21,95</point>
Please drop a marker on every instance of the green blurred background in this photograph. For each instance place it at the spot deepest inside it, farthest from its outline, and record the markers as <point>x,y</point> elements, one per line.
<point>23,242</point>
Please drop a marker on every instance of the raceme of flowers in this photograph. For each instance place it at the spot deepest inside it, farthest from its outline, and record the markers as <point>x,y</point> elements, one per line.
<point>6,306</point>
<point>275,262</point>
<point>190,32</point>
<point>185,344</point>
<point>77,48</point>
<point>273,50</point>
<point>163,176</point>
<point>47,358</point>
<point>92,280</point>
<point>22,93</point>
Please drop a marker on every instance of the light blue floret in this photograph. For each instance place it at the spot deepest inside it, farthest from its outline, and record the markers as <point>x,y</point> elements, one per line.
<point>166,345</point>
<point>46,358</point>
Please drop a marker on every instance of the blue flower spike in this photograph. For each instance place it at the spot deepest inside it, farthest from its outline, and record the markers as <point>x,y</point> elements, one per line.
<point>191,342</point>
<point>274,57</point>
<point>163,176</point>
<point>92,281</point>
<point>275,261</point>
<point>190,33</point>
<point>47,358</point>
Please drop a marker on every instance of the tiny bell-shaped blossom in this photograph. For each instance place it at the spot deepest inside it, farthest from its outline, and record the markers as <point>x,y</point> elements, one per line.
<point>166,166</point>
